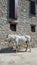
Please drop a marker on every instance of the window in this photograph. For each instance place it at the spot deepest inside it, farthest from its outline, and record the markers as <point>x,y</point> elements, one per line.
<point>33,27</point>
<point>36,1</point>
<point>13,5</point>
<point>32,8</point>
<point>33,0</point>
<point>13,27</point>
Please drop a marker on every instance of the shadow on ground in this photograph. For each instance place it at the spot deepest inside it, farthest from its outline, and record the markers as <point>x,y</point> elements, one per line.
<point>7,50</point>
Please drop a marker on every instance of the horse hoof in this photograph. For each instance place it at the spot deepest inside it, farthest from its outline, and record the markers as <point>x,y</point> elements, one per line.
<point>25,50</point>
<point>29,50</point>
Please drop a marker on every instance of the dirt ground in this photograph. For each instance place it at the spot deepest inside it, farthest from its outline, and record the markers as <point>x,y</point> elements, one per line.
<point>19,58</point>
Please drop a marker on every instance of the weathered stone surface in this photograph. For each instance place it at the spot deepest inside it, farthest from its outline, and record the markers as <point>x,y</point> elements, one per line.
<point>24,21</point>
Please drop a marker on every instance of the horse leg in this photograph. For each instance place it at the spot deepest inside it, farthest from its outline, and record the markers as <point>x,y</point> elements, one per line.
<point>16,45</point>
<point>26,46</point>
<point>29,47</point>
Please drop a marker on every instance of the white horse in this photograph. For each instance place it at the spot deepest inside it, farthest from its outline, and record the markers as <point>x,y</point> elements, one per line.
<point>26,39</point>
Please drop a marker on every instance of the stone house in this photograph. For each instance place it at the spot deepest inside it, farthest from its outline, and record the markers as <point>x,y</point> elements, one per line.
<point>24,23</point>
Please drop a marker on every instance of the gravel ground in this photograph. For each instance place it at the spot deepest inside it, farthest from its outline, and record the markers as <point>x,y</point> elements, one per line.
<point>19,58</point>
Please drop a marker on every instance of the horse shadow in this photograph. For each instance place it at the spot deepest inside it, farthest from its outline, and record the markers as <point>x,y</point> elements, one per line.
<point>8,50</point>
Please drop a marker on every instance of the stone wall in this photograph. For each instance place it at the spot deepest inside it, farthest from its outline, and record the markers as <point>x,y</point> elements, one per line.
<point>23,22</point>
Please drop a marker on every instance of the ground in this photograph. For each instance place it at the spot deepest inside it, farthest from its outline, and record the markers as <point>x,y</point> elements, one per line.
<point>19,58</point>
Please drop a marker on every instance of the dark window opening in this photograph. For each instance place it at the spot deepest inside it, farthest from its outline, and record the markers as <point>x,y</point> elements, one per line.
<point>13,4</point>
<point>36,1</point>
<point>32,8</point>
<point>13,27</point>
<point>33,28</point>
<point>11,8</point>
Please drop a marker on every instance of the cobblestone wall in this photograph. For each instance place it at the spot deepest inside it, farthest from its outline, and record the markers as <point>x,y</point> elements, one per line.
<point>23,22</point>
